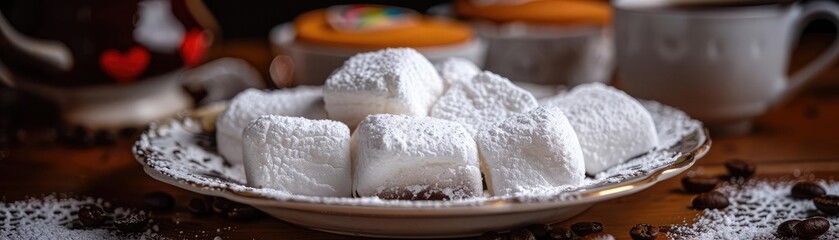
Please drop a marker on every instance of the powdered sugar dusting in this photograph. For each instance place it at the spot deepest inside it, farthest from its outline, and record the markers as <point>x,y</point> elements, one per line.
<point>454,70</point>
<point>302,101</point>
<point>611,125</point>
<point>413,157</point>
<point>757,208</point>
<point>174,150</point>
<point>533,151</point>
<point>482,102</point>
<point>395,81</point>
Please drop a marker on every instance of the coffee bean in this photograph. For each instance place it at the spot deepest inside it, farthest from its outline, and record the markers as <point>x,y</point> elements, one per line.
<point>598,236</point>
<point>807,190</point>
<point>643,232</point>
<point>811,228</point>
<point>159,200</point>
<point>708,200</point>
<point>785,228</point>
<point>92,215</point>
<point>739,168</point>
<point>560,233</point>
<point>199,207</point>
<point>699,184</point>
<point>520,234</point>
<point>243,213</point>
<point>491,235</point>
<point>585,228</point>
<point>539,230</point>
<point>132,223</point>
<point>828,204</point>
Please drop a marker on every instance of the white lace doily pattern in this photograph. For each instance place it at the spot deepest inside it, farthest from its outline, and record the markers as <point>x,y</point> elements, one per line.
<point>757,207</point>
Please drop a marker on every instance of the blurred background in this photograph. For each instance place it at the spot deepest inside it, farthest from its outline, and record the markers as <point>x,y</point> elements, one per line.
<point>36,107</point>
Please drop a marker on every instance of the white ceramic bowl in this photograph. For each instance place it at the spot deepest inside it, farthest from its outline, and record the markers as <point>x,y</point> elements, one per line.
<point>313,64</point>
<point>180,152</point>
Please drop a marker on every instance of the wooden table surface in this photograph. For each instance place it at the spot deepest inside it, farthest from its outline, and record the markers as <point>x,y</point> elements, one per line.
<point>800,137</point>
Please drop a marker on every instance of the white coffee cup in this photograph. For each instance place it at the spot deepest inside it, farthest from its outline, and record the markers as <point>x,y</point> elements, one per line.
<point>722,65</point>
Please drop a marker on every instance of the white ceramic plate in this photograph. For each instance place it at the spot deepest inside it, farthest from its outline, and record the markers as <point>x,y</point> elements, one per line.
<point>181,152</point>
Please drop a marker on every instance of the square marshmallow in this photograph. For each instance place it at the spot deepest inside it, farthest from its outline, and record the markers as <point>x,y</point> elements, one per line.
<point>299,156</point>
<point>531,152</point>
<point>417,158</point>
<point>612,126</point>
<point>483,101</point>
<point>303,101</point>
<point>454,70</point>
<point>395,81</point>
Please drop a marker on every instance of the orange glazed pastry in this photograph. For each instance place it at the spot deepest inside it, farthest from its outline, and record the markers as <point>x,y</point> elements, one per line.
<point>314,28</point>
<point>538,12</point>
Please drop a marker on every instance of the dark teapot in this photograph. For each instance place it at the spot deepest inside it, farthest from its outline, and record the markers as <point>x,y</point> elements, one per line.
<point>108,64</point>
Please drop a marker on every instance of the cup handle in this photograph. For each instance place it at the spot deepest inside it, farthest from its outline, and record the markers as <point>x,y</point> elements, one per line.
<point>281,71</point>
<point>810,11</point>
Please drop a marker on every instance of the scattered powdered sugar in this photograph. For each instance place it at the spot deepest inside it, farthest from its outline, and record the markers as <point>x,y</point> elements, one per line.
<point>52,217</point>
<point>757,208</point>
<point>180,150</point>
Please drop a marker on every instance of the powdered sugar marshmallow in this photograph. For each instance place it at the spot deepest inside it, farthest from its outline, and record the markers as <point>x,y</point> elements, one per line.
<point>483,101</point>
<point>530,153</point>
<point>297,155</point>
<point>417,158</point>
<point>453,70</point>
<point>612,126</point>
<point>303,101</point>
<point>395,81</point>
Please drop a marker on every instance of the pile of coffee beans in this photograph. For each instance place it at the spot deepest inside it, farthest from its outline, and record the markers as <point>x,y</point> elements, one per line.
<point>707,198</point>
<point>826,203</point>
<point>815,226</point>
<point>580,230</point>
